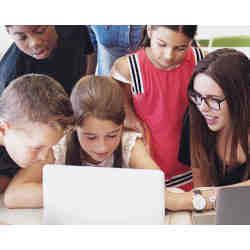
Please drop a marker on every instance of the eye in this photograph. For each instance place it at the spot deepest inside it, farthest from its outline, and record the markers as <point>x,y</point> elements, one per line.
<point>36,149</point>
<point>112,136</point>
<point>91,138</point>
<point>21,37</point>
<point>194,95</point>
<point>217,100</point>
<point>41,30</point>
<point>161,45</point>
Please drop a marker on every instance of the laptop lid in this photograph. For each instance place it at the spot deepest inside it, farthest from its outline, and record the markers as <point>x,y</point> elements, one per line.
<point>233,206</point>
<point>96,195</point>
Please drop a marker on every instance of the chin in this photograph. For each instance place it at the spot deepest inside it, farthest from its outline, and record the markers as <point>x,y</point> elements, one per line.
<point>214,128</point>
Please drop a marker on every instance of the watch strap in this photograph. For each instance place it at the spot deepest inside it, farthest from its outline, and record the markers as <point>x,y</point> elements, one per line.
<point>197,192</point>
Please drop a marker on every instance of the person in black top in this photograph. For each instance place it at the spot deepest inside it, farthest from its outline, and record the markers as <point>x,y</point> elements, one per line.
<point>62,52</point>
<point>35,113</point>
<point>219,120</point>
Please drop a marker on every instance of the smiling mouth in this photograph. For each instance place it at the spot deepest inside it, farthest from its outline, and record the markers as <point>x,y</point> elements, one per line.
<point>40,52</point>
<point>101,153</point>
<point>211,120</point>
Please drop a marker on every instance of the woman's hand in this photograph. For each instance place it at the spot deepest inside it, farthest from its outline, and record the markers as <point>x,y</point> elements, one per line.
<point>210,196</point>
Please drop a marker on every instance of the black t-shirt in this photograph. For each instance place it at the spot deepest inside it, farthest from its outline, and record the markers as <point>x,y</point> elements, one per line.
<point>66,64</point>
<point>7,166</point>
<point>234,176</point>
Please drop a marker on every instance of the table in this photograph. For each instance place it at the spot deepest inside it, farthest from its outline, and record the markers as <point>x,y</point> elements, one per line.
<point>32,216</point>
<point>35,216</point>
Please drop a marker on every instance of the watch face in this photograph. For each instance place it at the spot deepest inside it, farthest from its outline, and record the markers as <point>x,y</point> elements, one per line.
<point>199,202</point>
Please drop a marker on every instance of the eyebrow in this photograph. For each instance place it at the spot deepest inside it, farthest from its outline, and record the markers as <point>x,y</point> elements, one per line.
<point>182,45</point>
<point>111,132</point>
<point>34,29</point>
<point>208,95</point>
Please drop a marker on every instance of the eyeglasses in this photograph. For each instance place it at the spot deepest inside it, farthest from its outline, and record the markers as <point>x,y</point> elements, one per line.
<point>212,102</point>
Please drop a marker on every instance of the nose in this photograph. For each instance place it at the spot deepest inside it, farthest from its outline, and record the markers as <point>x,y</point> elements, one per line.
<point>101,147</point>
<point>34,42</point>
<point>168,53</point>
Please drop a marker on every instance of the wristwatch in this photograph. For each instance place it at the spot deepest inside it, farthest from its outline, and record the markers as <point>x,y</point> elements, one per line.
<point>199,202</point>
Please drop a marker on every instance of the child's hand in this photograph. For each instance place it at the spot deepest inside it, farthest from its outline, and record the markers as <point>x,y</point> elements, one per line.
<point>134,123</point>
<point>50,159</point>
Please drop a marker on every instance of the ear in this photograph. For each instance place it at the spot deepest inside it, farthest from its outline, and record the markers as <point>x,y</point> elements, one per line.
<point>7,29</point>
<point>149,31</point>
<point>4,125</point>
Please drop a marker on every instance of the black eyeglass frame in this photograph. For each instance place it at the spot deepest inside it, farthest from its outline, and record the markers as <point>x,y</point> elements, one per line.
<point>217,100</point>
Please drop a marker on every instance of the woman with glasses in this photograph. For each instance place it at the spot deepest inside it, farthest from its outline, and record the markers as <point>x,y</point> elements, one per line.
<point>219,111</point>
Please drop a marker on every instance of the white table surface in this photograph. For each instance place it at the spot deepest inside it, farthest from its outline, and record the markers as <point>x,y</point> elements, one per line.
<point>35,216</point>
<point>20,216</point>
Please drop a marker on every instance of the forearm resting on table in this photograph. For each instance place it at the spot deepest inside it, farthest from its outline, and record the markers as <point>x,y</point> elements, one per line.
<point>183,200</point>
<point>25,195</point>
<point>178,201</point>
<point>25,189</point>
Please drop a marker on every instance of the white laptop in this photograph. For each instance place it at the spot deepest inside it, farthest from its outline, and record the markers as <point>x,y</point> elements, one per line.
<point>95,195</point>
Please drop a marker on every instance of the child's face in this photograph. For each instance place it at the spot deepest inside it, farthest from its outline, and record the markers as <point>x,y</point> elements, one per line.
<point>99,138</point>
<point>34,40</point>
<point>167,47</point>
<point>217,120</point>
<point>30,144</point>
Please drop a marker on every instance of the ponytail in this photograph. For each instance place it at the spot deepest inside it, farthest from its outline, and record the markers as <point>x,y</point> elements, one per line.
<point>144,40</point>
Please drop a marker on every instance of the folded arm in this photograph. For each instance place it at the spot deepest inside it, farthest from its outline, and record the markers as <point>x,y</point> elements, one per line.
<point>25,189</point>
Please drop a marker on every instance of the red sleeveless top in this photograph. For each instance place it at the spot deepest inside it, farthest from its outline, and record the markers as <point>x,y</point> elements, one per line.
<point>160,100</point>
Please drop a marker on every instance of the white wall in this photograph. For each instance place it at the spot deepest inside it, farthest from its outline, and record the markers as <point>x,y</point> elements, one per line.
<point>210,31</point>
<point>5,40</point>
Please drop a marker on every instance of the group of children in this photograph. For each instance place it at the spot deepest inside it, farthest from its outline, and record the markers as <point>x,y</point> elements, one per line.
<point>134,118</point>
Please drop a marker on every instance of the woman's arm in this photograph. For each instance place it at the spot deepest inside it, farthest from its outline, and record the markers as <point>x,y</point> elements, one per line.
<point>173,201</point>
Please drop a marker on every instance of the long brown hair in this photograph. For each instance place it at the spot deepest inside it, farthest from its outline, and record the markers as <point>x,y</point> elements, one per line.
<point>187,30</point>
<point>230,69</point>
<point>102,98</point>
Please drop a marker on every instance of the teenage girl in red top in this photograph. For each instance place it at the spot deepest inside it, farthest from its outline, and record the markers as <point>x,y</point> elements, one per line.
<point>157,76</point>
